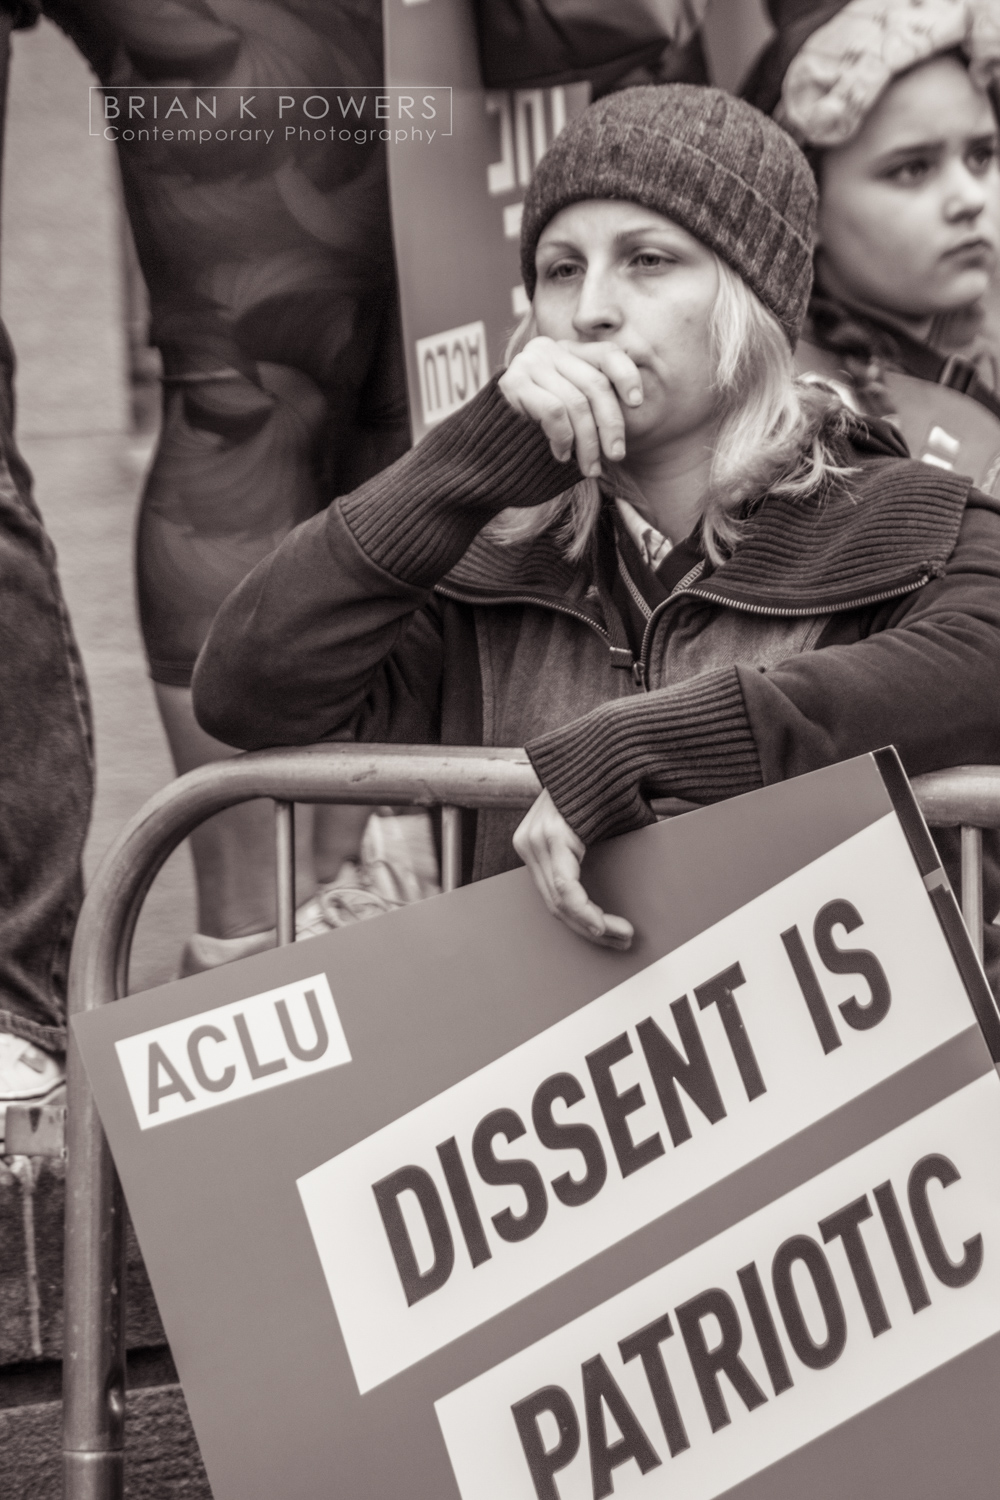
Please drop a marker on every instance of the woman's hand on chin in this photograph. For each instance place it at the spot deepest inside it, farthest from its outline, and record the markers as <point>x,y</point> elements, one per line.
<point>575,392</point>
<point>552,852</point>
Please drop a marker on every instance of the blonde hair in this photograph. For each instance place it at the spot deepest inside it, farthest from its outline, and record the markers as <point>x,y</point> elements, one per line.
<point>773,436</point>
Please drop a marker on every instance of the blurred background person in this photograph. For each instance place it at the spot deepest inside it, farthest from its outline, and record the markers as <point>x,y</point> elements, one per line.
<point>46,768</point>
<point>891,100</point>
<point>272,300</point>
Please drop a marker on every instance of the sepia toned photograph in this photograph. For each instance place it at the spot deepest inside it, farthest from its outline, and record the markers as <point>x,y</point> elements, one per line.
<point>500,799</point>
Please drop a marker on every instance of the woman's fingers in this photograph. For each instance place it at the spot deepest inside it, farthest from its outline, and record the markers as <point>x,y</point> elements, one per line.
<point>552,852</point>
<point>550,414</point>
<point>574,907</point>
<point>527,385</point>
<point>620,370</point>
<point>602,400</point>
<point>567,418</point>
<point>564,396</point>
<point>575,393</point>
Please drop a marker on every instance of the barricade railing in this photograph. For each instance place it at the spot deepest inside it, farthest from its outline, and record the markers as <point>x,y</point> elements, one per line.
<point>452,779</point>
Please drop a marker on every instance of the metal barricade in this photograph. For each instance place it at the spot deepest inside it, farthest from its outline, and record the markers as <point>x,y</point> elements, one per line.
<point>419,776</point>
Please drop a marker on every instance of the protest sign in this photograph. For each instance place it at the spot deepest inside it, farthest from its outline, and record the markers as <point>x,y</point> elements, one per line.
<point>455,1205</point>
<point>456,202</point>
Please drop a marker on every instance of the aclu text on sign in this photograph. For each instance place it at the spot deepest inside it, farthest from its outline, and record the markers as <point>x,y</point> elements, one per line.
<point>238,1049</point>
<point>453,366</point>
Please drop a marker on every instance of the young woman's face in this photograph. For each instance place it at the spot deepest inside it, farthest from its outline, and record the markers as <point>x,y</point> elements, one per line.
<point>909,209</point>
<point>614,271</point>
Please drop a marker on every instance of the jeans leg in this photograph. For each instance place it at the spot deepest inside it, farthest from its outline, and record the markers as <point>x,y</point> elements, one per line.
<point>46,758</point>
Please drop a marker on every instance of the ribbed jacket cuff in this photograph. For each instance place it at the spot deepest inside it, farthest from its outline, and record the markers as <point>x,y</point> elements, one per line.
<point>693,740</point>
<point>417,519</point>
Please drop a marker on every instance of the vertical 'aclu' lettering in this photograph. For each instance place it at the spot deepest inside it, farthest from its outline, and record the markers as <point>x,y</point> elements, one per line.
<point>295,1047</point>
<point>215,1084</point>
<point>257,1068</point>
<point>159,1063</point>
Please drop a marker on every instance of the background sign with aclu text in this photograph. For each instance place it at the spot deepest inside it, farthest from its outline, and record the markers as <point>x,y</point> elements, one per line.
<point>456,204</point>
<point>457,1206</point>
<point>457,190</point>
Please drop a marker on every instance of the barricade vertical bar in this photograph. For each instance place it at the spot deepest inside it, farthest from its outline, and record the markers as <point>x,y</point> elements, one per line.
<point>972,885</point>
<point>284,856</point>
<point>94,1337</point>
<point>451,848</point>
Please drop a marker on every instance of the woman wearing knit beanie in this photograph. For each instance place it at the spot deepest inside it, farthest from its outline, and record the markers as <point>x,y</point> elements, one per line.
<point>646,551</point>
<point>890,100</point>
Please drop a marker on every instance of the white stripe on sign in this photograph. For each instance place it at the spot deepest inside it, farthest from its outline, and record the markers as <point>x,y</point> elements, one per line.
<point>812,993</point>
<point>237,1049</point>
<point>868,1276</point>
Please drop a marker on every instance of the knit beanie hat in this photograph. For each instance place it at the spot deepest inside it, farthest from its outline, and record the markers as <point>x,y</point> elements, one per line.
<point>712,163</point>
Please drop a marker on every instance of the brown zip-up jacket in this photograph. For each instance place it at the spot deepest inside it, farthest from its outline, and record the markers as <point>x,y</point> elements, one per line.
<point>865,617</point>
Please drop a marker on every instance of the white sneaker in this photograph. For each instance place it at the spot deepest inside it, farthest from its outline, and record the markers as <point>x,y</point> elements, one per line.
<point>27,1074</point>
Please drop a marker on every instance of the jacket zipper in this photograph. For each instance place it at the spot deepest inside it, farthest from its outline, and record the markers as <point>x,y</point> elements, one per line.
<point>640,671</point>
<point>687,589</point>
<point>541,602</point>
<point>802,610</point>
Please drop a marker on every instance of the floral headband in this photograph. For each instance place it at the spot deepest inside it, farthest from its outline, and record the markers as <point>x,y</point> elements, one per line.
<point>840,72</point>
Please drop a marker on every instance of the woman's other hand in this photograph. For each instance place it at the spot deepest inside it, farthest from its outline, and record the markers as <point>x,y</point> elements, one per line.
<point>552,852</point>
<point>575,393</point>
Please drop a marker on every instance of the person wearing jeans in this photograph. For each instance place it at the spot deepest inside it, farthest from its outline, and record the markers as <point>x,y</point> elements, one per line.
<point>46,783</point>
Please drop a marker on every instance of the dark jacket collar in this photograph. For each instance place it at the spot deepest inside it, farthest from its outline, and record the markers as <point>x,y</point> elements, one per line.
<point>885,529</point>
